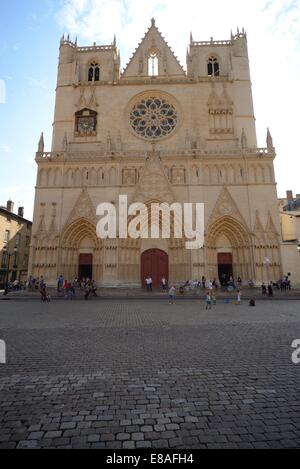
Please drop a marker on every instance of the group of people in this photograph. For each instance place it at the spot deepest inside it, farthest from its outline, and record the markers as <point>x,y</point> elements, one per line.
<point>69,288</point>
<point>149,283</point>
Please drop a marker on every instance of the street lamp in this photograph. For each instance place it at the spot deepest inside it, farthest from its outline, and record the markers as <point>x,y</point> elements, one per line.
<point>5,250</point>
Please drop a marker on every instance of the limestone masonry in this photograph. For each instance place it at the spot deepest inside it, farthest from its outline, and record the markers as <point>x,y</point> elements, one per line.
<point>157,133</point>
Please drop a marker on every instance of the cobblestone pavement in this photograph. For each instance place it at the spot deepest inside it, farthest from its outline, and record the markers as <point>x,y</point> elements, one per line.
<point>146,374</point>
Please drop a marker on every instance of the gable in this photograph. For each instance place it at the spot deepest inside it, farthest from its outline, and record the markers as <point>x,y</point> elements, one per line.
<point>153,42</point>
<point>153,183</point>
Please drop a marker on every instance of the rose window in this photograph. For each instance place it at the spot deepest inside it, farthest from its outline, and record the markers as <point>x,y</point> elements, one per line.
<point>153,118</point>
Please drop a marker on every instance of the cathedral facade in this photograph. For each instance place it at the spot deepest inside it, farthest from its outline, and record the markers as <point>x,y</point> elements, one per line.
<point>156,133</point>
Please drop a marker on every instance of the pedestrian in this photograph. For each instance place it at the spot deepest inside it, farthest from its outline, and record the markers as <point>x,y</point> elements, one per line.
<point>270,289</point>
<point>164,283</point>
<point>172,293</point>
<point>239,297</point>
<point>44,294</point>
<point>94,288</point>
<point>203,280</point>
<point>208,300</point>
<point>213,299</point>
<point>87,291</point>
<point>60,283</point>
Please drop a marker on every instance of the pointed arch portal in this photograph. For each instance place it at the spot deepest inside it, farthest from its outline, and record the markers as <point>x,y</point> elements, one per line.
<point>229,253</point>
<point>81,250</point>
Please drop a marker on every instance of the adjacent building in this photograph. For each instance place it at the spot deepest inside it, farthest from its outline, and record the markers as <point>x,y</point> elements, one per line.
<point>156,132</point>
<point>290,226</point>
<point>15,235</point>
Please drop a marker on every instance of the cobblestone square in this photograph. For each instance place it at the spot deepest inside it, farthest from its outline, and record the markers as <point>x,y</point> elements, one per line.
<point>115,374</point>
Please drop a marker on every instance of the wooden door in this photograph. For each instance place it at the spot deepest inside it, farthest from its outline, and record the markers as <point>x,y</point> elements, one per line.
<point>154,262</point>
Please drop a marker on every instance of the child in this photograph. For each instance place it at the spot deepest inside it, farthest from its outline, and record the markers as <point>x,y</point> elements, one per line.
<point>172,292</point>
<point>239,297</point>
<point>208,300</point>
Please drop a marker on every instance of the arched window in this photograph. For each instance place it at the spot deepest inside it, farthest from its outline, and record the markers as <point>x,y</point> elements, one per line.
<point>153,64</point>
<point>213,68</point>
<point>94,72</point>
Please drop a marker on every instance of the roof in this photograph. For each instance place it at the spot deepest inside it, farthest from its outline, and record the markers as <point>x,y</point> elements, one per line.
<point>292,205</point>
<point>7,213</point>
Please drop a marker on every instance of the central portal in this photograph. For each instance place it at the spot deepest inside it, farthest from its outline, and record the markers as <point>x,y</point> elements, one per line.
<point>85,269</point>
<point>225,269</point>
<point>154,262</point>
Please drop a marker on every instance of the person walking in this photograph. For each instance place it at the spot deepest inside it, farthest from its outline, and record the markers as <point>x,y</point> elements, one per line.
<point>270,289</point>
<point>172,293</point>
<point>164,283</point>
<point>208,300</point>
<point>87,291</point>
<point>94,288</point>
<point>213,299</point>
<point>239,297</point>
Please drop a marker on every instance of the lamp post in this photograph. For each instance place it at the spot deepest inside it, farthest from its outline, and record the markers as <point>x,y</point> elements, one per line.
<point>9,255</point>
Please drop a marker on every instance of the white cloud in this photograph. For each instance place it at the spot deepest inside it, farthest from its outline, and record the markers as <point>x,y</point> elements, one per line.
<point>273,29</point>
<point>5,148</point>
<point>35,82</point>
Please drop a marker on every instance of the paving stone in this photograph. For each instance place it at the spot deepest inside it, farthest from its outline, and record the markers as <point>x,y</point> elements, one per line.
<point>53,434</point>
<point>149,377</point>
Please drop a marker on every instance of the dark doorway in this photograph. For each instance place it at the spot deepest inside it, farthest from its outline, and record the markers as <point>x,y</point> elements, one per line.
<point>156,263</point>
<point>225,269</point>
<point>85,269</point>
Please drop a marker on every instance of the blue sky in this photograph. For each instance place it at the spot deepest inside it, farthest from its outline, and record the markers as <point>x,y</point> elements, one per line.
<point>30,31</point>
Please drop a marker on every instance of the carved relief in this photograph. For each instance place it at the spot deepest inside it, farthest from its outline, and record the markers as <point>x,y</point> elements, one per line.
<point>129,177</point>
<point>178,176</point>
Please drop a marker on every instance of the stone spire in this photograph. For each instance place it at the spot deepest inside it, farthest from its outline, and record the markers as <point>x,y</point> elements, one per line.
<point>270,145</point>
<point>119,142</point>
<point>108,143</point>
<point>244,140</point>
<point>65,143</point>
<point>187,140</point>
<point>41,144</point>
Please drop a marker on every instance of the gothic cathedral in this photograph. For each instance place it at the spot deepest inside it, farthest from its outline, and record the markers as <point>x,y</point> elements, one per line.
<point>156,132</point>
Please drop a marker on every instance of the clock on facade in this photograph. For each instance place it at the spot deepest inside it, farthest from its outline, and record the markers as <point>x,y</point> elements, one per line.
<point>85,123</point>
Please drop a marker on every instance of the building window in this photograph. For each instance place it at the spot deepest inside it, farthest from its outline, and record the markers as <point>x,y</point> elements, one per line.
<point>94,72</point>
<point>213,68</point>
<point>6,236</point>
<point>153,65</point>
<point>25,261</point>
<point>85,123</point>
<point>17,240</point>
<point>4,259</point>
